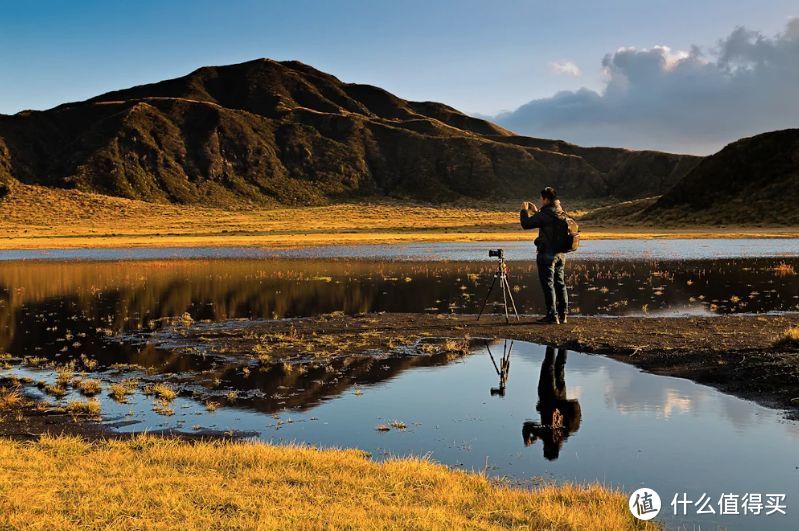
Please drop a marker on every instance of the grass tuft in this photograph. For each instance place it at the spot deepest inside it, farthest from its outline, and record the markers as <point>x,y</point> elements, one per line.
<point>9,398</point>
<point>784,269</point>
<point>161,391</point>
<point>84,407</point>
<point>88,386</point>
<point>789,339</point>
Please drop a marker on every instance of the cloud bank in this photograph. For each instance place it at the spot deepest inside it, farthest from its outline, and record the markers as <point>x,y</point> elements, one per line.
<point>693,101</point>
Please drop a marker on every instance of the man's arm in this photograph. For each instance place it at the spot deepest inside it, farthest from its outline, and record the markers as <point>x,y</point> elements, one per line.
<point>534,221</point>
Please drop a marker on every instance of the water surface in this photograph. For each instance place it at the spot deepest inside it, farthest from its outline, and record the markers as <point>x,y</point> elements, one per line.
<point>636,249</point>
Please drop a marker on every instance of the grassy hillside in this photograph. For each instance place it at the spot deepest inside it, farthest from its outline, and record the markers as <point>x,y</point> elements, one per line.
<point>282,133</point>
<point>754,181</point>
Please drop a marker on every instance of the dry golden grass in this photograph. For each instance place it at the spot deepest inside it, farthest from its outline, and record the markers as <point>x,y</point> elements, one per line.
<point>88,386</point>
<point>66,483</point>
<point>84,407</point>
<point>790,338</point>
<point>784,269</point>
<point>161,391</point>
<point>9,398</point>
<point>119,392</point>
<point>36,217</point>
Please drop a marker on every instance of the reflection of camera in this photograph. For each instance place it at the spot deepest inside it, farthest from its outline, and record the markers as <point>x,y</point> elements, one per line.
<point>498,253</point>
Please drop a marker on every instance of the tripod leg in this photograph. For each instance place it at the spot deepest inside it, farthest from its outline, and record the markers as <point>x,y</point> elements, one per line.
<point>483,307</point>
<point>504,282</point>
<point>512,302</point>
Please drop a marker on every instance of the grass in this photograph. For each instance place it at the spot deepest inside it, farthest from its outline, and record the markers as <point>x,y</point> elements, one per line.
<point>36,217</point>
<point>161,391</point>
<point>790,338</point>
<point>119,392</point>
<point>91,407</point>
<point>784,269</point>
<point>9,398</point>
<point>67,483</point>
<point>88,386</point>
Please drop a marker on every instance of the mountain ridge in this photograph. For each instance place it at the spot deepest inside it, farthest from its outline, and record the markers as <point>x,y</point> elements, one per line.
<point>754,179</point>
<point>269,132</point>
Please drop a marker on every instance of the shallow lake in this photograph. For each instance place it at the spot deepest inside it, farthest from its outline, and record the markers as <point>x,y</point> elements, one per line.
<point>560,416</point>
<point>41,302</point>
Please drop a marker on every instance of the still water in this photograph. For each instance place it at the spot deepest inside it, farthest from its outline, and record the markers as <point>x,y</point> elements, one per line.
<point>634,249</point>
<point>42,302</point>
<point>555,416</point>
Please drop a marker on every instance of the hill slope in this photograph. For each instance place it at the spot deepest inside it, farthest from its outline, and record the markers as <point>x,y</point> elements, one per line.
<point>753,181</point>
<point>271,132</point>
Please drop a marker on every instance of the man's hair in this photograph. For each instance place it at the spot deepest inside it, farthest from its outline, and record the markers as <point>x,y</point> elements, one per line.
<point>549,193</point>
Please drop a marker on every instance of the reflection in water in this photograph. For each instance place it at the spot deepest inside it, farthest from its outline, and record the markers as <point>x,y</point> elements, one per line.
<point>560,416</point>
<point>503,368</point>
<point>43,302</point>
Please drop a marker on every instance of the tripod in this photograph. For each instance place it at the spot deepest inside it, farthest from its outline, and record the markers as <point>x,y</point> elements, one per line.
<point>501,275</point>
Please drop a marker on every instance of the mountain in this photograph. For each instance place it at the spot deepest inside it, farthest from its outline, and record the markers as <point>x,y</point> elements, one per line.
<point>753,181</point>
<point>269,132</point>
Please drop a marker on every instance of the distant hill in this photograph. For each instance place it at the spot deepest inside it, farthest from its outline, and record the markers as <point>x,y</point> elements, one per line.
<point>754,181</point>
<point>268,132</point>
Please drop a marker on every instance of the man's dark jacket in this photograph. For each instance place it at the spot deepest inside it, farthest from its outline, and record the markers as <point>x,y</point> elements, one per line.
<point>544,221</point>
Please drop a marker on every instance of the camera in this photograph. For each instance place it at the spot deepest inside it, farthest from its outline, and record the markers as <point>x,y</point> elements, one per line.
<point>496,253</point>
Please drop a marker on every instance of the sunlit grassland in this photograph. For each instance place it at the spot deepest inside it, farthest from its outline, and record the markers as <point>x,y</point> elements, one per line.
<point>37,217</point>
<point>60,483</point>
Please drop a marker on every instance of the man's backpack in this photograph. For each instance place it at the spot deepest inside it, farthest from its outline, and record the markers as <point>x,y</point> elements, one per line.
<point>566,236</point>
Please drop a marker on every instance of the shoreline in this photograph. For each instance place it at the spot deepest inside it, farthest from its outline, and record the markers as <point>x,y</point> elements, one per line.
<point>301,240</point>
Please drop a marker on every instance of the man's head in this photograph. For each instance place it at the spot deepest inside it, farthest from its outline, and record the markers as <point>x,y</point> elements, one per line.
<point>548,196</point>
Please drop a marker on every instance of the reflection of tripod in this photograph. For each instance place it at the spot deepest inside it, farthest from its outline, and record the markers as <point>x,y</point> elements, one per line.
<point>503,369</point>
<point>502,275</point>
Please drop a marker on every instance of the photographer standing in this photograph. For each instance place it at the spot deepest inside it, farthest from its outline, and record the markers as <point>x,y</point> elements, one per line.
<point>550,259</point>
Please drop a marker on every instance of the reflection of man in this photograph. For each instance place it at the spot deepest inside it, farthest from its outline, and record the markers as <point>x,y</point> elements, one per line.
<point>559,415</point>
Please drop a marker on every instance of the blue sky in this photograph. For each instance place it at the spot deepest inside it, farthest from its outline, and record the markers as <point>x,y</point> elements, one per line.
<point>478,56</point>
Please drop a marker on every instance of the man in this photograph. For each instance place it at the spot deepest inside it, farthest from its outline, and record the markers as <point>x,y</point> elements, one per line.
<point>550,263</point>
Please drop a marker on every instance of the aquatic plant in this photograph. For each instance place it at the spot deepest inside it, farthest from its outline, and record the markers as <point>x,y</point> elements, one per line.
<point>790,338</point>
<point>84,407</point>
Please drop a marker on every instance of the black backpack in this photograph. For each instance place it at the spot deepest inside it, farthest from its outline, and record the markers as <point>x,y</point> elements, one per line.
<point>566,235</point>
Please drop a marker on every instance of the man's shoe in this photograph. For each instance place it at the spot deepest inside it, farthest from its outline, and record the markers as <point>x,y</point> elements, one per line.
<point>562,318</point>
<point>549,319</point>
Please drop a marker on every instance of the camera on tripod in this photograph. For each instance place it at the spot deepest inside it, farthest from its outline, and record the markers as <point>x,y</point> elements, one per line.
<point>501,275</point>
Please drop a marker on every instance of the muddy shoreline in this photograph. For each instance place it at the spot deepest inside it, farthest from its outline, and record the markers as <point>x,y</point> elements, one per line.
<point>740,354</point>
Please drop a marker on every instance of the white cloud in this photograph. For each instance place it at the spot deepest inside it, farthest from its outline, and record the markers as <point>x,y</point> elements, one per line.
<point>565,68</point>
<point>693,100</point>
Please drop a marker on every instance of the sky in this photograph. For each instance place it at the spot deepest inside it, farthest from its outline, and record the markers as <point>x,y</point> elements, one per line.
<point>670,75</point>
